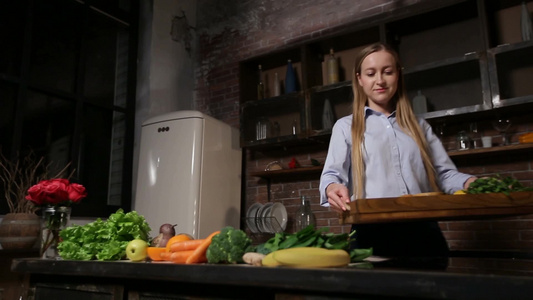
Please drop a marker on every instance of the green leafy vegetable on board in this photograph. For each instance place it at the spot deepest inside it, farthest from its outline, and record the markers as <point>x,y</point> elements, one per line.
<point>309,237</point>
<point>229,246</point>
<point>496,184</point>
<point>103,240</point>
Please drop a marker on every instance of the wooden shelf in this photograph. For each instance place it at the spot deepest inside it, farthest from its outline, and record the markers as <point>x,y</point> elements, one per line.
<point>318,169</point>
<point>288,172</point>
<point>490,150</point>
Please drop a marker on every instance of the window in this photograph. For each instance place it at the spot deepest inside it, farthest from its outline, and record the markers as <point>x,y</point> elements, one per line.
<point>67,84</point>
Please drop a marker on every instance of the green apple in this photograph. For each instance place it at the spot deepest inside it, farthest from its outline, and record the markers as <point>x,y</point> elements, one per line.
<point>136,250</point>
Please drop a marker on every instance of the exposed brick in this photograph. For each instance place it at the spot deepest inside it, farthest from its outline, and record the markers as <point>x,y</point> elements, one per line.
<point>251,29</point>
<point>469,225</point>
<point>458,235</point>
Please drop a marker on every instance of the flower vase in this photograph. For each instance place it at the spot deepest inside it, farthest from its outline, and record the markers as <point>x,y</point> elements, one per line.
<point>54,219</point>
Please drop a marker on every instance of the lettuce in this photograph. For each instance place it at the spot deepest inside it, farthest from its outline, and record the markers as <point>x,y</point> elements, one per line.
<point>103,240</point>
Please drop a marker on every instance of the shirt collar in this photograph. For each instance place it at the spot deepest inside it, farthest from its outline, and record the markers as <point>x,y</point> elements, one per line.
<point>369,111</point>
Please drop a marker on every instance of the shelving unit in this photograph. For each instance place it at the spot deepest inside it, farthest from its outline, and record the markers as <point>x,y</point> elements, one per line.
<point>288,172</point>
<point>317,170</point>
<point>491,150</point>
<point>464,56</point>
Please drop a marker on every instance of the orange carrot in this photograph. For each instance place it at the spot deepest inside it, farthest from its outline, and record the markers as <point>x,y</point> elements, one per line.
<point>177,238</point>
<point>165,255</point>
<point>186,245</point>
<point>198,256</point>
<point>180,257</point>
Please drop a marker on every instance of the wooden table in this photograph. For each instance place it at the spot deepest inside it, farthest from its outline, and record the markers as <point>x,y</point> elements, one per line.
<point>488,279</point>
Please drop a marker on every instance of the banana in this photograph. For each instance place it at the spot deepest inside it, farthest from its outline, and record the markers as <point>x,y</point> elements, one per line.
<point>310,257</point>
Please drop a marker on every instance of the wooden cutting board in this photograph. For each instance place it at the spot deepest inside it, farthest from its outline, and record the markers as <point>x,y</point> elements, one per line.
<point>438,207</point>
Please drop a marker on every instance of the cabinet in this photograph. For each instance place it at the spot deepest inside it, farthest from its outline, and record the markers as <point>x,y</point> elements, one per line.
<point>14,285</point>
<point>464,56</point>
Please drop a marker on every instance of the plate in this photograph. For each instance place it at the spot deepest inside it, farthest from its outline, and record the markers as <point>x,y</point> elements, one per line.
<point>279,217</point>
<point>267,221</point>
<point>251,217</point>
<point>263,219</point>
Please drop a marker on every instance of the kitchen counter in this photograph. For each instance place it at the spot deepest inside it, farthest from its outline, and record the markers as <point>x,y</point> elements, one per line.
<point>452,278</point>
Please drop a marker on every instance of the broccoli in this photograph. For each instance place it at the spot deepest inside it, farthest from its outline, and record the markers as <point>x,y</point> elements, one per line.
<point>229,246</point>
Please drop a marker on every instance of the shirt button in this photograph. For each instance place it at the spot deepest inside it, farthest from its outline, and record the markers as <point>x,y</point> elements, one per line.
<point>388,126</point>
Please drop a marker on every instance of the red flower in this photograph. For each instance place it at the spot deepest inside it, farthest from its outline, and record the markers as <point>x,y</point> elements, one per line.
<point>56,191</point>
<point>76,192</point>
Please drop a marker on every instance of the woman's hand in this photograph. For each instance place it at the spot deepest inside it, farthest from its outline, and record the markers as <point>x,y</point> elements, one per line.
<point>469,181</point>
<point>338,196</point>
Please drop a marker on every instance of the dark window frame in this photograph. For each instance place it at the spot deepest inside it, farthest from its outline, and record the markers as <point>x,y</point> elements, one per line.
<point>127,18</point>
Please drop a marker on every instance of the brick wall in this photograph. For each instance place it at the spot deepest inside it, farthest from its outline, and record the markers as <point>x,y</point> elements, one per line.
<point>231,31</point>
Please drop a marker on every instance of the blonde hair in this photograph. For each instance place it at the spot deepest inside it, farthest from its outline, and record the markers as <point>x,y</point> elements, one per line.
<point>404,115</point>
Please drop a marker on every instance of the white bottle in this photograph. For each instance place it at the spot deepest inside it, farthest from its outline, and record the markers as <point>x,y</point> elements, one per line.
<point>420,104</point>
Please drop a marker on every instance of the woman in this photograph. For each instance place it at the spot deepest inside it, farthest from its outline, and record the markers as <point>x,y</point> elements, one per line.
<point>383,150</point>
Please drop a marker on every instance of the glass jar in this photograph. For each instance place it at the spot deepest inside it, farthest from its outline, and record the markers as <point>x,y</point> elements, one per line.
<point>463,141</point>
<point>54,219</point>
<point>263,129</point>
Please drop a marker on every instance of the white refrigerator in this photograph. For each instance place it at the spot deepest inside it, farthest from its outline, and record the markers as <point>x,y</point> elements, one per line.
<point>189,173</point>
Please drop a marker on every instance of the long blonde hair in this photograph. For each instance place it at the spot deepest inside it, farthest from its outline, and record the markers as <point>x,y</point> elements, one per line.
<point>404,115</point>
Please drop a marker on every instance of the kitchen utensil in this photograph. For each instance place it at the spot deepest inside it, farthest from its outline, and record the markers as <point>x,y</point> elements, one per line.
<point>487,141</point>
<point>251,217</point>
<point>262,215</point>
<point>502,125</point>
<point>266,219</point>
<point>279,217</point>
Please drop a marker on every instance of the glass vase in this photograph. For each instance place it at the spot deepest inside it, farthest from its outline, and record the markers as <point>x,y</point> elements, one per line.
<point>304,215</point>
<point>54,219</point>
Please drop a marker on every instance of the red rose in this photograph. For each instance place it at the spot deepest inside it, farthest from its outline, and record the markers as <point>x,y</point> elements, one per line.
<point>56,191</point>
<point>76,192</point>
<point>52,191</point>
<point>36,194</point>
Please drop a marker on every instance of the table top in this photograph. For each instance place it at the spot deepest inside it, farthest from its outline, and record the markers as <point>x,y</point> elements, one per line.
<point>431,278</point>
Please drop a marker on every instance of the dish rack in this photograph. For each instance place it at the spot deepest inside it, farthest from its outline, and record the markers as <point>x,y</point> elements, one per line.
<point>266,218</point>
<point>263,225</point>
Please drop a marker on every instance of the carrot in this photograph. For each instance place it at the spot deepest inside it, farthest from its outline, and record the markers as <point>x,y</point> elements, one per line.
<point>186,245</point>
<point>180,257</point>
<point>165,255</point>
<point>177,238</point>
<point>198,256</point>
